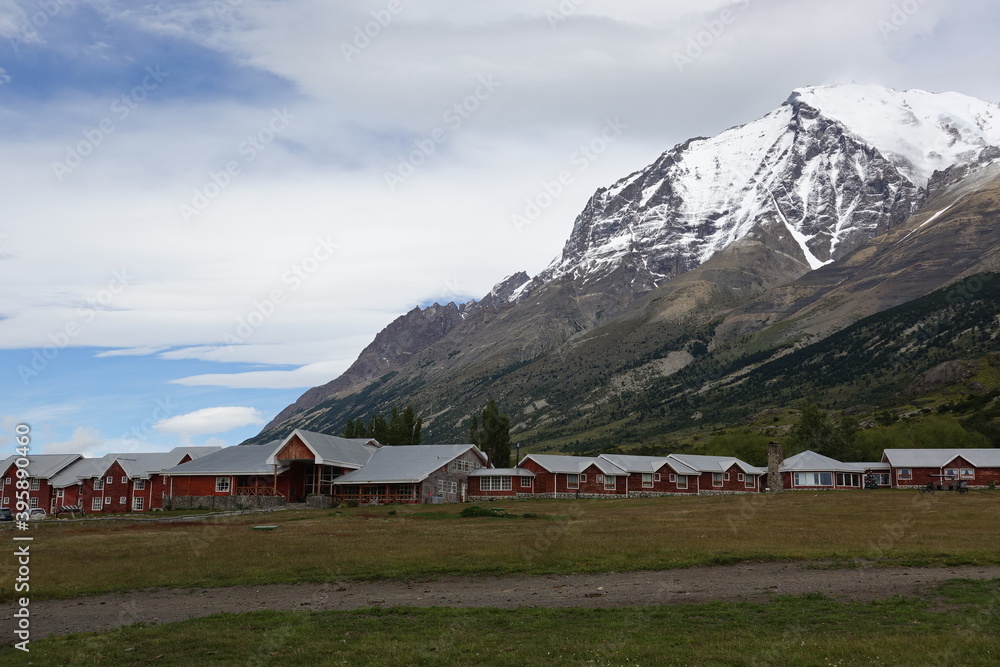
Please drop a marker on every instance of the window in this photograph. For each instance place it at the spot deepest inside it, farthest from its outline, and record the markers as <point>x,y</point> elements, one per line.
<point>813,479</point>
<point>573,481</point>
<point>440,486</point>
<point>6,480</point>
<point>222,485</point>
<point>461,466</point>
<point>110,479</point>
<point>682,481</point>
<point>848,479</point>
<point>600,479</point>
<point>673,478</point>
<point>96,505</point>
<point>525,482</point>
<point>749,481</point>
<point>739,477</point>
<point>98,485</point>
<point>881,478</point>
<point>6,502</point>
<point>951,472</point>
<point>454,487</point>
<point>122,500</point>
<point>60,493</point>
<point>139,484</point>
<point>494,484</point>
<point>968,473</point>
<point>33,502</point>
<point>583,478</point>
<point>717,479</point>
<point>138,504</point>
<point>647,480</point>
<point>107,500</point>
<point>904,473</point>
<point>610,483</point>
<point>34,484</point>
<point>124,480</point>
<point>656,477</point>
<point>726,476</point>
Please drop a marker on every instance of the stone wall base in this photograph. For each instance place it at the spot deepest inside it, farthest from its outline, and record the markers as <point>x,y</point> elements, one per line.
<point>222,502</point>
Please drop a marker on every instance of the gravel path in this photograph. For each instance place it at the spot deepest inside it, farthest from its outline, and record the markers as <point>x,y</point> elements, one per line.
<point>752,582</point>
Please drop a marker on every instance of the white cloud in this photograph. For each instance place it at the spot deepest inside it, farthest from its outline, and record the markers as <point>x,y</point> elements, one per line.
<point>210,420</point>
<point>85,440</point>
<point>307,376</point>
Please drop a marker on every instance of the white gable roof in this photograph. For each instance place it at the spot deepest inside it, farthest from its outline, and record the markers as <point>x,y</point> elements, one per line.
<point>938,458</point>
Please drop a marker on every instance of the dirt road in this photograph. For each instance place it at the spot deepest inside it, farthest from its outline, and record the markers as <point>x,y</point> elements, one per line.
<point>752,582</point>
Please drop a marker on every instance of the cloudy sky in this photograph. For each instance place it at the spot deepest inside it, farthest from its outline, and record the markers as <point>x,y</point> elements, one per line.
<point>210,206</point>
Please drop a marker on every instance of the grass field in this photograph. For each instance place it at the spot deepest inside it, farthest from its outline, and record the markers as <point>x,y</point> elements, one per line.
<point>886,527</point>
<point>957,623</point>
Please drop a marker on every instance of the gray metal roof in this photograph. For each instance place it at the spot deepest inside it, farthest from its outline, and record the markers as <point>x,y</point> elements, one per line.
<point>939,458</point>
<point>238,460</point>
<point>637,464</point>
<point>406,464</point>
<point>143,465</point>
<point>43,466</point>
<point>574,465</point>
<point>813,462</point>
<point>703,463</point>
<point>501,472</point>
<point>80,470</point>
<point>332,449</point>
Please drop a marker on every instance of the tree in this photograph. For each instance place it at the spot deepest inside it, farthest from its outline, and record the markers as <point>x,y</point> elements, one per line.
<point>402,428</point>
<point>815,430</point>
<point>491,433</point>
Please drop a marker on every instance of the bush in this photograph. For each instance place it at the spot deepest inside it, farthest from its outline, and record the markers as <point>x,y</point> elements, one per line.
<point>476,510</point>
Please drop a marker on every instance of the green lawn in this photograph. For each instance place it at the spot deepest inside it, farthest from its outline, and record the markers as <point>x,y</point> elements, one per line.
<point>956,623</point>
<point>886,527</point>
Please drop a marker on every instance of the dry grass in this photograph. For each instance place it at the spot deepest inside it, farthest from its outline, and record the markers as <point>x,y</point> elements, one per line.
<point>887,527</point>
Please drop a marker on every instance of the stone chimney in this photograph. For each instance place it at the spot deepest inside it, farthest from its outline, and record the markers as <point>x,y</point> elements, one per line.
<point>774,459</point>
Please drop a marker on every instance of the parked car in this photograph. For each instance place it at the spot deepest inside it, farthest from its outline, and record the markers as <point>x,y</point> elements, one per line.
<point>5,514</point>
<point>36,513</point>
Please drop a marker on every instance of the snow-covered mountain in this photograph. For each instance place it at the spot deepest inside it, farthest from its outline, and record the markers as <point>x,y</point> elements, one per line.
<point>834,165</point>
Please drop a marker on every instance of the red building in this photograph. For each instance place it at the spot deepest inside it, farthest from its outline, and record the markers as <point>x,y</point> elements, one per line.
<point>918,468</point>
<point>40,471</point>
<point>575,476</point>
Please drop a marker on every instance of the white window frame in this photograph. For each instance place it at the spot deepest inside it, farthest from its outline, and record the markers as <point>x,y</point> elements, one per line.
<point>600,479</point>
<point>498,483</point>
<point>718,479</point>
<point>904,473</point>
<point>951,472</point>
<point>124,479</point>
<point>110,479</point>
<point>656,477</point>
<point>35,484</point>
<point>647,480</point>
<point>672,478</point>
<point>223,485</point>
<point>682,481</point>
<point>138,504</point>
<point>454,487</point>
<point>610,483</point>
<point>525,482</point>
<point>6,480</point>
<point>122,500</point>
<point>725,476</point>
<point>96,504</point>
<point>583,477</point>
<point>572,481</point>
<point>967,473</point>
<point>812,479</point>
<point>882,478</point>
<point>740,476</point>
<point>440,486</point>
<point>107,501</point>
<point>139,485</point>
<point>98,484</point>
<point>749,482</point>
<point>60,493</point>
<point>33,502</point>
